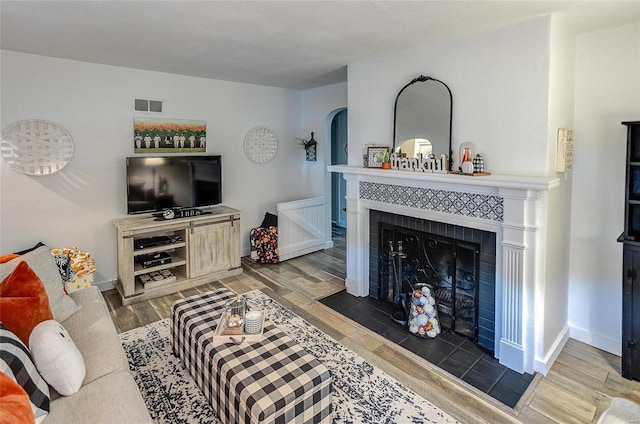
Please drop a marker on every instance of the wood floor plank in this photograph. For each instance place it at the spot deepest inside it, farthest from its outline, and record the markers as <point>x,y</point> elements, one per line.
<point>146,313</point>
<point>348,328</point>
<point>250,282</point>
<point>583,366</point>
<point>126,319</point>
<point>584,390</point>
<point>162,305</point>
<point>207,287</point>
<point>614,386</point>
<point>560,405</point>
<point>113,299</point>
<point>531,416</point>
<point>237,286</point>
<point>617,386</point>
<point>367,341</point>
<point>595,357</point>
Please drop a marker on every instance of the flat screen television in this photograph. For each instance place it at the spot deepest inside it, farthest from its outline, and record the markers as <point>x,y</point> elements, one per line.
<point>165,182</point>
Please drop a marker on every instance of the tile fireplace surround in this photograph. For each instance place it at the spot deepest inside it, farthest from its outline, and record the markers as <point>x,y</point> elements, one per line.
<point>513,207</point>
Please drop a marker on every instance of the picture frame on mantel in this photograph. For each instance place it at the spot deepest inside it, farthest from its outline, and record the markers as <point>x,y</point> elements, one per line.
<point>375,155</point>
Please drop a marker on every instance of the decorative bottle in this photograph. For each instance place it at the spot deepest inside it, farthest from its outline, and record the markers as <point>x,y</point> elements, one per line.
<point>466,156</point>
<point>467,165</point>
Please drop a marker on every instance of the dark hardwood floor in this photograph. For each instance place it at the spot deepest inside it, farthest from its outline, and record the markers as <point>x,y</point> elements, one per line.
<point>577,389</point>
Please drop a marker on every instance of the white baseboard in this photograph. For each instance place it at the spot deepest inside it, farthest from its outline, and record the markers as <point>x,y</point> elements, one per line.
<point>512,355</point>
<point>601,341</point>
<point>544,365</point>
<point>106,285</point>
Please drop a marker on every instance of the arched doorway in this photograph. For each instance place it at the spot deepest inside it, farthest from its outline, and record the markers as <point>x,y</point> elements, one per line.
<point>339,156</point>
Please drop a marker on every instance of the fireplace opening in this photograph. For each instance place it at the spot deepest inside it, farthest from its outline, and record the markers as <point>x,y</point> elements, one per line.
<point>449,267</point>
<point>457,262</point>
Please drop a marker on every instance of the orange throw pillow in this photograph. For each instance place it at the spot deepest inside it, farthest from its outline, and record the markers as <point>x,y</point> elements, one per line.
<point>23,302</point>
<point>14,402</point>
<point>8,257</point>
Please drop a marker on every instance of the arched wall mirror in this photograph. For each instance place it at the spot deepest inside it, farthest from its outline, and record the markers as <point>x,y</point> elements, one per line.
<point>422,118</point>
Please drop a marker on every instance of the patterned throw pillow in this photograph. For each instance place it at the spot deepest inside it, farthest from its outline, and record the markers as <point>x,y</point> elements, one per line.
<point>76,268</point>
<point>264,245</point>
<point>16,362</point>
<point>63,262</point>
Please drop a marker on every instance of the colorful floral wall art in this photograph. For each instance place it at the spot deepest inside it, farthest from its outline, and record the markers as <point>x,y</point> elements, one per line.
<point>160,135</point>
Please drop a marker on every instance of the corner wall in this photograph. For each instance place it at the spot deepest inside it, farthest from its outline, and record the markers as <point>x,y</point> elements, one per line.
<point>318,109</point>
<point>607,90</point>
<point>552,301</point>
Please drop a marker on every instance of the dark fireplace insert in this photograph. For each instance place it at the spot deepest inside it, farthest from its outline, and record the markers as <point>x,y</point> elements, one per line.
<point>457,262</point>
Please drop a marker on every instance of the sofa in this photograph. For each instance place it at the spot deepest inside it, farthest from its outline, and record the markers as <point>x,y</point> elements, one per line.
<point>108,393</point>
<point>103,389</point>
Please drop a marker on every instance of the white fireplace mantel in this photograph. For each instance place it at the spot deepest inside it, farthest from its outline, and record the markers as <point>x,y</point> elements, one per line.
<point>514,207</point>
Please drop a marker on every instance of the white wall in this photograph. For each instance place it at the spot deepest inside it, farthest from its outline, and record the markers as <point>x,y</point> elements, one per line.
<point>499,81</point>
<point>319,106</point>
<point>607,88</point>
<point>553,299</point>
<point>76,206</point>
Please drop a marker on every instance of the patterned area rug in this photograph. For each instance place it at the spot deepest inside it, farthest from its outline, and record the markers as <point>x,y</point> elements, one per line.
<point>362,393</point>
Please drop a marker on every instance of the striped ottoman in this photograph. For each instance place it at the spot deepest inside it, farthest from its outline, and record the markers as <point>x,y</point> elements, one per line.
<point>271,381</point>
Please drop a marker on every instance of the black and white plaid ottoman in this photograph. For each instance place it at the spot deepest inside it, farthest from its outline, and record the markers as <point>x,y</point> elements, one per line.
<point>271,381</point>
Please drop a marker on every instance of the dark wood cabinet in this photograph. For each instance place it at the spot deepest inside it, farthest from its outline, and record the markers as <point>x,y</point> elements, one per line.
<point>631,258</point>
<point>632,191</point>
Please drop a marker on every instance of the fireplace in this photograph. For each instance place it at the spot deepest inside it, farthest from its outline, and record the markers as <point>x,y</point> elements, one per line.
<point>457,262</point>
<point>514,208</point>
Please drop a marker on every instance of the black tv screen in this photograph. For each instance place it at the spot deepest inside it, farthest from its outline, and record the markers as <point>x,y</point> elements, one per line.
<point>165,182</point>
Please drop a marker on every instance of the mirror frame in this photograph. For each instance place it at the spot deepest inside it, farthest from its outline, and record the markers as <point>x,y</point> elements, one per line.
<point>422,78</point>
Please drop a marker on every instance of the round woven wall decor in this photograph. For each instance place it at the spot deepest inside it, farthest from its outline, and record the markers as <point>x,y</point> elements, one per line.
<point>260,144</point>
<point>36,147</point>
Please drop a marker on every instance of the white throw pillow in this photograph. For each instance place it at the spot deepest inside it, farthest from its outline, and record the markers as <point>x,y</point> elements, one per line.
<point>57,358</point>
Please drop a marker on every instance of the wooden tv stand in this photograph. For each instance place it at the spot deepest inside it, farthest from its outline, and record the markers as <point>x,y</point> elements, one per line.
<point>195,250</point>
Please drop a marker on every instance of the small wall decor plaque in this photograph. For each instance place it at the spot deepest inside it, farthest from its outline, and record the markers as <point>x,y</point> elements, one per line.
<point>564,160</point>
<point>161,135</point>
<point>310,147</point>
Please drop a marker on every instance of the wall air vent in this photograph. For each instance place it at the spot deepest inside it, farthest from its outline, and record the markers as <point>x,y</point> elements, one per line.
<point>144,105</point>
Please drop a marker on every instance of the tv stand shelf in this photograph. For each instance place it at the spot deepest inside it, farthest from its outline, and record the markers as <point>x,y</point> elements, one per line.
<point>163,248</point>
<point>202,248</point>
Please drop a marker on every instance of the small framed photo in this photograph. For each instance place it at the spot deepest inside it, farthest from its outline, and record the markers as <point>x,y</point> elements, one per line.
<point>375,156</point>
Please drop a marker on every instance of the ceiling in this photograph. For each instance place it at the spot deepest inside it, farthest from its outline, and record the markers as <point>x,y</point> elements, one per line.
<point>292,44</point>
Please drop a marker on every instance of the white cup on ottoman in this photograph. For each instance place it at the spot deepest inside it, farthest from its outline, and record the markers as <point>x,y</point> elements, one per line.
<point>253,322</point>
